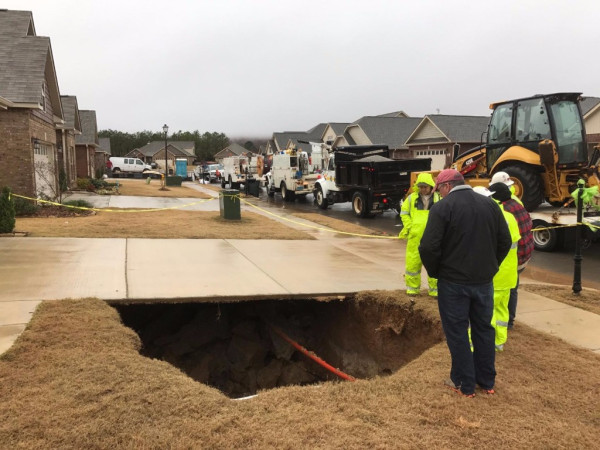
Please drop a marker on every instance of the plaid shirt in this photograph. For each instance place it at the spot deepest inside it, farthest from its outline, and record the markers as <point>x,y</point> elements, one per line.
<point>525,225</point>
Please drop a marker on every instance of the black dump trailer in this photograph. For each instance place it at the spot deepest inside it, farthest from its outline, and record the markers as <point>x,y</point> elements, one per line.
<point>366,176</point>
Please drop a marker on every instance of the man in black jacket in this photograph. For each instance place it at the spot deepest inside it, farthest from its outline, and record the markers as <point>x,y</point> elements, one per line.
<point>465,241</point>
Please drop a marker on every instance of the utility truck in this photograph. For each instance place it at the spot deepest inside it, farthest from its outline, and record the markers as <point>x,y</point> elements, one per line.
<point>235,169</point>
<point>290,175</point>
<point>365,176</point>
<point>242,169</point>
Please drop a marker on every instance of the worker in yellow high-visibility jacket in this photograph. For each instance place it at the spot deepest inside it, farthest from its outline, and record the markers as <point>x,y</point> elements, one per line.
<point>414,213</point>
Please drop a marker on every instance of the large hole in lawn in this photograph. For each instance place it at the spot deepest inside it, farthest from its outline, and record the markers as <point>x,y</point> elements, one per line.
<point>235,348</point>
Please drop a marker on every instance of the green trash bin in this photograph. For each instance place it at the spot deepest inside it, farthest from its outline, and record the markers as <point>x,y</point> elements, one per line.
<point>253,187</point>
<point>229,204</point>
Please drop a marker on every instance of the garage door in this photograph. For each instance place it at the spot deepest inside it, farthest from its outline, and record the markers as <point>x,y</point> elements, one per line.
<point>438,158</point>
<point>43,162</point>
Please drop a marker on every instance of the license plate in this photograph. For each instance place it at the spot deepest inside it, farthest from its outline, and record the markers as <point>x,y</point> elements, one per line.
<point>300,188</point>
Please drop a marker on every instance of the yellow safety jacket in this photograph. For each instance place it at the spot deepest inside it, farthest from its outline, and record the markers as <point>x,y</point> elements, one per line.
<point>506,277</point>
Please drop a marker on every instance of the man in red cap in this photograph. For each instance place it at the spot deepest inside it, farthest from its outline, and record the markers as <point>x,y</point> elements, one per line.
<point>465,240</point>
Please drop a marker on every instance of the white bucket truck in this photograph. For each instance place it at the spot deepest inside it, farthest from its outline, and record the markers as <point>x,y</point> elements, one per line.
<point>290,175</point>
<point>235,169</point>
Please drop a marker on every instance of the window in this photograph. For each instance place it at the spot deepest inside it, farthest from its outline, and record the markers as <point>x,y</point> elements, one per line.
<point>138,162</point>
<point>569,132</point>
<point>532,121</point>
<point>500,125</point>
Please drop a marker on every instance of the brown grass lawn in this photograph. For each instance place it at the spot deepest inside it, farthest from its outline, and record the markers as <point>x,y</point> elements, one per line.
<point>141,189</point>
<point>75,379</point>
<point>588,299</point>
<point>170,224</point>
<point>338,225</point>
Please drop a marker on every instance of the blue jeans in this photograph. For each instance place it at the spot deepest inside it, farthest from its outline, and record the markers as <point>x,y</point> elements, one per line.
<point>459,305</point>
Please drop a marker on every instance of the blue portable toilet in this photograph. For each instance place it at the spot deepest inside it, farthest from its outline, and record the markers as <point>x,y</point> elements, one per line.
<point>181,167</point>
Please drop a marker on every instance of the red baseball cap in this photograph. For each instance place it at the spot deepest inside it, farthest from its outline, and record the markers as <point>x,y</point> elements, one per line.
<point>447,175</point>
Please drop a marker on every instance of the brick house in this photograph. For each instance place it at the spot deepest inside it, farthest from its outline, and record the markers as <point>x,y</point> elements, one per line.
<point>65,138</point>
<point>590,108</point>
<point>86,144</point>
<point>30,108</point>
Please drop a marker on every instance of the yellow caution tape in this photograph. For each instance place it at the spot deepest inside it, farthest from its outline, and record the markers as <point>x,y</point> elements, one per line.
<point>316,227</point>
<point>113,210</point>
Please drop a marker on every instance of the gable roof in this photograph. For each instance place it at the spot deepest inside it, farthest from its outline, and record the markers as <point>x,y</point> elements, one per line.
<point>235,148</point>
<point>89,128</point>
<point>589,104</point>
<point>461,128</point>
<point>390,131</point>
<point>152,148</point>
<point>104,144</point>
<point>27,63</point>
<point>394,114</point>
<point>71,112</point>
<point>453,128</point>
<point>337,127</point>
<point>16,23</point>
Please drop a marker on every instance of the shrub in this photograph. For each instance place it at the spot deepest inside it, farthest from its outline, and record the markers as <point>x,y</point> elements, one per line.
<point>78,204</point>
<point>7,212</point>
<point>24,207</point>
<point>62,181</point>
<point>83,183</point>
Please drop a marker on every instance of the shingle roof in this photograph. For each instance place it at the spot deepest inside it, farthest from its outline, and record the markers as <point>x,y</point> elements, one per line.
<point>390,131</point>
<point>71,112</point>
<point>104,144</point>
<point>338,127</point>
<point>394,114</point>
<point>22,72</point>
<point>235,148</point>
<point>588,103</point>
<point>151,148</point>
<point>16,23</point>
<point>89,128</point>
<point>316,132</point>
<point>461,128</point>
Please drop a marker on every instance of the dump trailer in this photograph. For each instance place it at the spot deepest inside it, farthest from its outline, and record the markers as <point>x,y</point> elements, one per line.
<point>367,177</point>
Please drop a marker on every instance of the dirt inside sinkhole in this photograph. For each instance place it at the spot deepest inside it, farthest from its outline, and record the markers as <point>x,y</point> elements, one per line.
<point>234,348</point>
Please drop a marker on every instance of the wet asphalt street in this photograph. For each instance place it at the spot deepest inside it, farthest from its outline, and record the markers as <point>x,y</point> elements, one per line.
<point>558,266</point>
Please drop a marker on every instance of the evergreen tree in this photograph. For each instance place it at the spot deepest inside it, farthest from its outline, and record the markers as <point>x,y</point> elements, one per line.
<point>7,212</point>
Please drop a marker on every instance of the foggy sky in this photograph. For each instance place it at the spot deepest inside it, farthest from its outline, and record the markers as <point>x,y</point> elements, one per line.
<point>254,67</point>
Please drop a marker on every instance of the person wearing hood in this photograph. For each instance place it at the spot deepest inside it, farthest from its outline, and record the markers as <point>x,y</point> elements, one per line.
<point>414,213</point>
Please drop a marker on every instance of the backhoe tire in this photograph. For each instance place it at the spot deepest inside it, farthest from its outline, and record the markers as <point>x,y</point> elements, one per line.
<point>320,198</point>
<point>529,183</point>
<point>359,204</point>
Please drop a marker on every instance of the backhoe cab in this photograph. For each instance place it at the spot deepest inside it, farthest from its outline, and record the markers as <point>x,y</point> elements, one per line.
<point>540,142</point>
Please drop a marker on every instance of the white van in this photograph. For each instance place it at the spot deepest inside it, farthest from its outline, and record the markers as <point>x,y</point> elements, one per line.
<point>128,165</point>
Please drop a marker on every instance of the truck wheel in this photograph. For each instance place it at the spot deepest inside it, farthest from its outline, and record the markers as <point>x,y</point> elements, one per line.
<point>528,185</point>
<point>546,240</point>
<point>359,204</point>
<point>270,191</point>
<point>286,195</point>
<point>320,198</point>
<point>116,171</point>
<point>222,183</point>
<point>230,183</point>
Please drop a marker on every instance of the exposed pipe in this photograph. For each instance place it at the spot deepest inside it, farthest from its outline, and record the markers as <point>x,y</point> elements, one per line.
<point>311,355</point>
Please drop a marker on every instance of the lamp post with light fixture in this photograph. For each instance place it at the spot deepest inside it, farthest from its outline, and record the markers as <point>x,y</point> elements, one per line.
<point>166,130</point>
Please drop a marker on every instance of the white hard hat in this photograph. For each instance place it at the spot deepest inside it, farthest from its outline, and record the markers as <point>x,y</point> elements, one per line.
<point>483,191</point>
<point>502,177</point>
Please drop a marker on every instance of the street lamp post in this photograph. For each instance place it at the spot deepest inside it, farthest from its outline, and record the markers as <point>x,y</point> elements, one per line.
<point>166,130</point>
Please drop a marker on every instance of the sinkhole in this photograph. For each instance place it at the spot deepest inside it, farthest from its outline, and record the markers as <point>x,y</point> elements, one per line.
<point>241,347</point>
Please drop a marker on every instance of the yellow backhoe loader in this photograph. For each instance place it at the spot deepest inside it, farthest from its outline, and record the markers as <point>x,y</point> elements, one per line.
<point>540,142</point>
